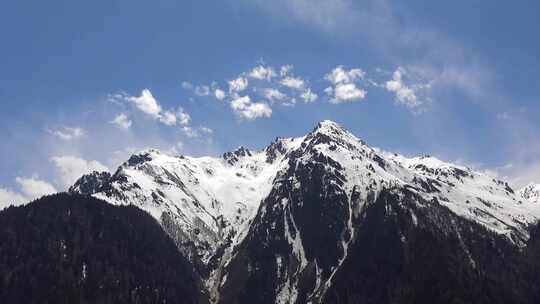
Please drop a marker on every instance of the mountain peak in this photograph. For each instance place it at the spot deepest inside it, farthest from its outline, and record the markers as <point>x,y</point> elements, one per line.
<point>142,156</point>
<point>331,129</point>
<point>328,126</point>
<point>328,131</point>
<point>233,156</point>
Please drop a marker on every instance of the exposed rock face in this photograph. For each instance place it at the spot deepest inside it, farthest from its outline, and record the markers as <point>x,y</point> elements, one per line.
<point>531,192</point>
<point>91,183</point>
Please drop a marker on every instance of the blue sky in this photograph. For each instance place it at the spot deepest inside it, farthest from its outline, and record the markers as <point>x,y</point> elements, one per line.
<point>84,84</point>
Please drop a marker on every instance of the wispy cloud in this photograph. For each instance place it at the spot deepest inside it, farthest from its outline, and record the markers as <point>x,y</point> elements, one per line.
<point>11,198</point>
<point>407,94</point>
<point>292,82</point>
<point>30,189</point>
<point>149,105</point>
<point>122,121</point>
<point>146,103</point>
<point>308,96</point>
<point>395,36</point>
<point>202,90</point>
<point>67,133</point>
<point>273,94</point>
<point>70,168</point>
<point>326,15</point>
<point>192,132</point>
<point>187,85</point>
<point>33,187</point>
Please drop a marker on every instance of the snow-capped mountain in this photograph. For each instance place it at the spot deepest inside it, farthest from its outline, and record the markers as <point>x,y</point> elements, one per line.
<point>531,192</point>
<point>202,202</point>
<point>284,224</point>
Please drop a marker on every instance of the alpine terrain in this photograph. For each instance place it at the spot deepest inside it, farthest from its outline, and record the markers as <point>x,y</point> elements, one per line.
<point>325,218</point>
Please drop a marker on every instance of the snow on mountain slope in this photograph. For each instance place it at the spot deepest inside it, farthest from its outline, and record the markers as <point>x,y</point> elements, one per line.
<point>473,195</point>
<point>469,194</point>
<point>209,204</point>
<point>308,223</point>
<point>205,200</point>
<point>285,219</point>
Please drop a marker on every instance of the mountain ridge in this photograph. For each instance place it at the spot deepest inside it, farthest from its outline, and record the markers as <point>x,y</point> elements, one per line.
<point>214,208</point>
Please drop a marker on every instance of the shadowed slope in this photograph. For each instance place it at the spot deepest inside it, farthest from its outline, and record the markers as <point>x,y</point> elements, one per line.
<point>69,248</point>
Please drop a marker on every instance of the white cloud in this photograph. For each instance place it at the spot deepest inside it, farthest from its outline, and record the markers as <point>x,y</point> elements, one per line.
<point>34,188</point>
<point>262,73</point>
<point>389,30</point>
<point>344,85</point>
<point>213,89</point>
<point>168,118</point>
<point>30,188</point>
<point>183,117</point>
<point>249,110</point>
<point>238,85</point>
<point>284,70</point>
<point>518,174</point>
<point>202,90</point>
<point>187,85</point>
<point>117,98</point>
<point>190,132</point>
<point>219,94</point>
<point>341,75</point>
<point>525,174</point>
<point>346,92</point>
<point>146,103</point>
<point>329,91</point>
<point>327,15</point>
<point>240,102</point>
<point>470,79</point>
<point>9,197</point>
<point>309,96</point>
<point>177,148</point>
<point>270,84</point>
<point>255,110</point>
<point>71,168</point>
<point>207,130</point>
<point>122,121</point>
<point>149,105</point>
<point>273,94</point>
<point>404,95</point>
<point>293,82</point>
<point>67,133</point>
<point>171,118</point>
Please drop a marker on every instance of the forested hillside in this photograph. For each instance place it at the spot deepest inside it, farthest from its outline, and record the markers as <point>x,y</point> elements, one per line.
<point>68,248</point>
